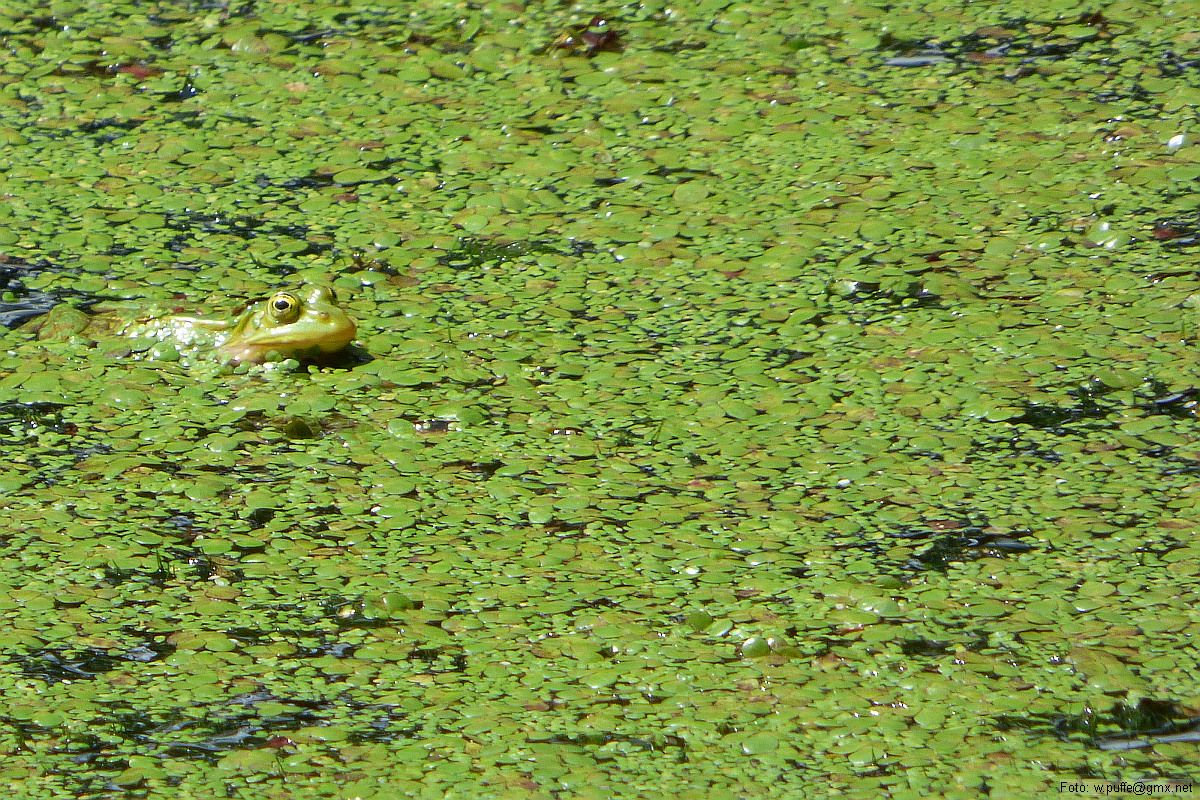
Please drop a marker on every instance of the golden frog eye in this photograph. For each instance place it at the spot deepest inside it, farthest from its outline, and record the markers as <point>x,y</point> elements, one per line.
<point>283,308</point>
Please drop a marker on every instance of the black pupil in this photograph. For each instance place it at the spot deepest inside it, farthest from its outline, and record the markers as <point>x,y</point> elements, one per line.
<point>282,304</point>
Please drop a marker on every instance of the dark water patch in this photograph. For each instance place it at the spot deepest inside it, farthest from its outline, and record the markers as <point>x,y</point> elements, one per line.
<point>259,517</point>
<point>192,120</point>
<point>17,303</point>
<point>1181,466</point>
<point>181,524</point>
<point>1134,93</point>
<point>368,24</point>
<point>922,646</point>
<point>1114,523</point>
<point>163,573</point>
<point>802,643</point>
<point>677,175</point>
<point>333,649</point>
<point>1176,234</point>
<point>375,173</point>
<point>305,644</point>
<point>297,428</point>
<point>1009,448</point>
<point>146,646</point>
<point>1054,418</point>
<point>111,128</point>
<point>906,293</point>
<point>241,227</point>
<point>683,45</point>
<point>202,566</point>
<point>599,34</point>
<point>1177,405</point>
<point>20,422</point>
<point>235,725</point>
<point>566,530</point>
<point>1174,65</point>
<point>1088,415</point>
<point>439,660</point>
<point>306,182</point>
<point>193,226</point>
<point>481,470</point>
<point>138,70</point>
<point>45,22</point>
<point>307,36</point>
<point>382,731</point>
<point>186,91</point>
<point>1124,727</point>
<point>362,260</point>
<point>473,252</point>
<point>220,738</point>
<point>644,742</point>
<point>682,174</point>
<point>1160,546</point>
<point>968,542</point>
<point>57,666</point>
<point>1014,40</point>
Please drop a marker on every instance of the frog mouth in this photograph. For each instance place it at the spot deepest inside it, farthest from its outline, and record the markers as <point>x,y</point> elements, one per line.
<point>288,342</point>
<point>337,333</point>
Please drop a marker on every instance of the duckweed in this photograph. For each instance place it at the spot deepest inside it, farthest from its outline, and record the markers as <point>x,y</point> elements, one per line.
<point>749,401</point>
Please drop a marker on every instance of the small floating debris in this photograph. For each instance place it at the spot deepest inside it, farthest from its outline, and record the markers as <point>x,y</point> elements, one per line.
<point>926,58</point>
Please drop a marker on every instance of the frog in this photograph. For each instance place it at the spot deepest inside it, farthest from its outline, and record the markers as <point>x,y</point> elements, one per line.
<point>303,324</point>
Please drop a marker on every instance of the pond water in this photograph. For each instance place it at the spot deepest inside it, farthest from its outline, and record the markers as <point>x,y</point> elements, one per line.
<point>749,400</point>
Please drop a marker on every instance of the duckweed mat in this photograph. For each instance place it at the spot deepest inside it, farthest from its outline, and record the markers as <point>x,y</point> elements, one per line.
<point>751,400</point>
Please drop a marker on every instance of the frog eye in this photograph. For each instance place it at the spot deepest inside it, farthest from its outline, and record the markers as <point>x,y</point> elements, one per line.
<point>283,308</point>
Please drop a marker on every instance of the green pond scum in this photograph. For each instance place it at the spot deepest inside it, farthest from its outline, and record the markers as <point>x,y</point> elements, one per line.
<point>749,399</point>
